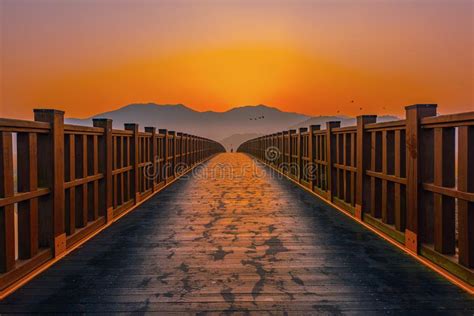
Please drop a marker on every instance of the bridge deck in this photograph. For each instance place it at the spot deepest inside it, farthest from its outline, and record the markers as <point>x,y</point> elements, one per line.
<point>240,242</point>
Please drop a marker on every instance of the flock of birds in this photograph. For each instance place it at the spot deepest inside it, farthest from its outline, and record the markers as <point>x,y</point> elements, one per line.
<point>262,117</point>
<point>352,101</point>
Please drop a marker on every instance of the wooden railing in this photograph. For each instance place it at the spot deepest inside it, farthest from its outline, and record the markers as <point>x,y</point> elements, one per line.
<point>61,183</point>
<point>413,179</point>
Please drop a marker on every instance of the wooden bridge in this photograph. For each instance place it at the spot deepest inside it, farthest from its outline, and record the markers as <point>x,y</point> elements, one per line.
<point>379,217</point>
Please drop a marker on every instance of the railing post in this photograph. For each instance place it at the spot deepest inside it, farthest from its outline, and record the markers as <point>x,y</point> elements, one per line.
<point>153,156</point>
<point>272,144</point>
<point>265,147</point>
<point>311,154</point>
<point>260,154</point>
<point>195,154</point>
<point>290,152</point>
<point>51,174</point>
<point>286,151</point>
<point>414,171</point>
<point>172,135</point>
<point>195,149</point>
<point>204,143</point>
<point>191,150</point>
<point>197,144</point>
<point>300,152</point>
<point>179,147</point>
<point>134,159</point>
<point>275,145</point>
<point>201,149</point>
<point>362,164</point>
<point>466,184</point>
<point>281,147</point>
<point>185,150</point>
<point>164,168</point>
<point>331,155</point>
<point>105,167</point>
<point>182,159</point>
<point>7,213</point>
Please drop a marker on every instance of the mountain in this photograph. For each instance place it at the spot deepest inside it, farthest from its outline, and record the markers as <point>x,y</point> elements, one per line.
<point>231,127</point>
<point>215,125</point>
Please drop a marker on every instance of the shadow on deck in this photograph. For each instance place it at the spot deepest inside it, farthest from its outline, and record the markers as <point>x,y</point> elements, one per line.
<point>247,242</point>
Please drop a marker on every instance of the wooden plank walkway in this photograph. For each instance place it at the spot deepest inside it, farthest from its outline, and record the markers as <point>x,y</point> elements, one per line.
<point>237,241</point>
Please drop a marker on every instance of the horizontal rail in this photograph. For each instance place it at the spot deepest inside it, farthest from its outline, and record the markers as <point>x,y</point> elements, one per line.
<point>387,125</point>
<point>82,129</point>
<point>466,196</point>
<point>12,125</point>
<point>458,119</point>
<point>23,196</point>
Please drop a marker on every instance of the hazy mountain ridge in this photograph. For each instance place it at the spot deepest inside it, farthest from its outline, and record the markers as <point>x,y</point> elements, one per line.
<point>215,125</point>
<point>231,127</point>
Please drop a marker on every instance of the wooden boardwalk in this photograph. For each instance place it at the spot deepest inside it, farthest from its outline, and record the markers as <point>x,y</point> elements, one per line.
<point>237,240</point>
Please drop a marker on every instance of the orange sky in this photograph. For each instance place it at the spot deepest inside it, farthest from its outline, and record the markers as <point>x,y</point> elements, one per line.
<point>313,57</point>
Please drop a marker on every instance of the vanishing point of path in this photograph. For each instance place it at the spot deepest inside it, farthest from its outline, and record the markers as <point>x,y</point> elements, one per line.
<point>237,240</point>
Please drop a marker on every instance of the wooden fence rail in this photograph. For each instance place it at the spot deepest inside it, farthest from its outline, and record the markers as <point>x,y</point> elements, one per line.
<point>64,182</point>
<point>413,179</point>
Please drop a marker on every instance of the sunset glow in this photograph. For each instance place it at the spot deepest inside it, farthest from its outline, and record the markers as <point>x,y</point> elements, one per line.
<point>312,57</point>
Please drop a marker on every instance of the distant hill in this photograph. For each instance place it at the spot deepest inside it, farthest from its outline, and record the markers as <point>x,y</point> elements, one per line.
<point>231,127</point>
<point>215,125</point>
